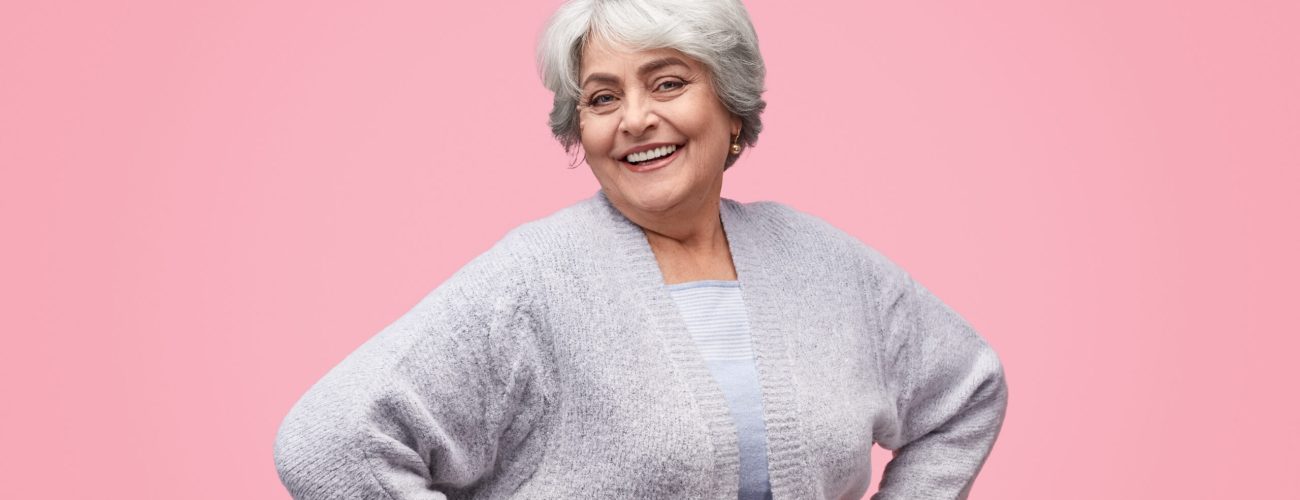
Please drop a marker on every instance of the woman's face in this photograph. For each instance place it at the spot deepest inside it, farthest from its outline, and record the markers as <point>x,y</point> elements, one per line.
<point>658,100</point>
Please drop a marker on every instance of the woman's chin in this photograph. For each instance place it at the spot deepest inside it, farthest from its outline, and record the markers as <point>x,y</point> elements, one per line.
<point>651,199</point>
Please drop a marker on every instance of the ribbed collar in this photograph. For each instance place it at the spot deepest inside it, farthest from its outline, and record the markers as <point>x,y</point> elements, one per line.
<point>750,243</point>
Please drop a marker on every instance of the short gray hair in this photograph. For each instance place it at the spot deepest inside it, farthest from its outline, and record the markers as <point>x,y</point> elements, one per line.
<point>717,33</point>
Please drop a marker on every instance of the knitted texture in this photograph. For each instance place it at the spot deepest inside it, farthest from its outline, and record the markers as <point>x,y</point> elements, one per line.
<point>556,365</point>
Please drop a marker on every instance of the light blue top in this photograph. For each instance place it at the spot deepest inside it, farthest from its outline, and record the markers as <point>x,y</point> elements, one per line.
<point>714,312</point>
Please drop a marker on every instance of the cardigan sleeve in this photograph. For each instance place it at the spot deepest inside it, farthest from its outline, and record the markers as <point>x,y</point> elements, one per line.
<point>418,409</point>
<point>948,386</point>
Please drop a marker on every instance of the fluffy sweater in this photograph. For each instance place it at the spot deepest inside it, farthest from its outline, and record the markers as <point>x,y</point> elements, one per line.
<point>555,365</point>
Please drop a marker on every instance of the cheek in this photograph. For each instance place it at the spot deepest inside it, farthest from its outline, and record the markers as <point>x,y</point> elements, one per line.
<point>596,140</point>
<point>708,121</point>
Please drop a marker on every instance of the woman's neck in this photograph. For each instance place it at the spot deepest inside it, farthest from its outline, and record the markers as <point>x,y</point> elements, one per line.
<point>692,248</point>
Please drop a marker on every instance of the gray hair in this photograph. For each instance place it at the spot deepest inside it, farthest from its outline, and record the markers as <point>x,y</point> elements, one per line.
<point>717,33</point>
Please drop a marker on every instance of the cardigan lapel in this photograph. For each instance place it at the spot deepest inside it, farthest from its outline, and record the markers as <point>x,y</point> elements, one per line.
<point>747,235</point>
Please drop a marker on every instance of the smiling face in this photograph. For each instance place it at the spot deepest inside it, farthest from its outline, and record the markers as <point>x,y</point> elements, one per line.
<point>659,107</point>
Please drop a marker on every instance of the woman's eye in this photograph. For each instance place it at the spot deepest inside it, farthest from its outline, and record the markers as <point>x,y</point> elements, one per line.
<point>670,85</point>
<point>601,99</point>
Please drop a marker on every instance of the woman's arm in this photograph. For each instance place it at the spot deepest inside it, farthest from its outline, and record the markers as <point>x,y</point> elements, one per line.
<point>948,385</point>
<point>420,406</point>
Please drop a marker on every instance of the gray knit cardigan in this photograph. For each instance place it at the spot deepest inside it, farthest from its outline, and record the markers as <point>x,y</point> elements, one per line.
<point>555,365</point>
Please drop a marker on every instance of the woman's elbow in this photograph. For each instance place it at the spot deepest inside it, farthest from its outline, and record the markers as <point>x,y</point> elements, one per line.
<point>293,458</point>
<point>318,455</point>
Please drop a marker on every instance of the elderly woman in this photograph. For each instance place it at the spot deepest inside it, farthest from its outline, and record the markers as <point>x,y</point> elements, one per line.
<point>657,340</point>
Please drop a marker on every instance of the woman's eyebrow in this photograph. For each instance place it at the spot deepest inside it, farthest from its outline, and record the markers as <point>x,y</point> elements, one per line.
<point>645,69</point>
<point>600,78</point>
<point>656,64</point>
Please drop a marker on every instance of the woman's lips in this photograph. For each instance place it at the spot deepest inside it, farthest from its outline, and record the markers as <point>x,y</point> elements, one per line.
<point>653,164</point>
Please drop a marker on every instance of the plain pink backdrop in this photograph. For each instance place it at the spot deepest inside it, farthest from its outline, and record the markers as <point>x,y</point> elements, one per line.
<point>206,205</point>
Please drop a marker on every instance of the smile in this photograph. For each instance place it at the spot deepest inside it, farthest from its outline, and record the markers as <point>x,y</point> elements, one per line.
<point>652,159</point>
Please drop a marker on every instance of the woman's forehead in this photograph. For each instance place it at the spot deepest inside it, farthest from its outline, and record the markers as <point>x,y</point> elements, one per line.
<point>604,57</point>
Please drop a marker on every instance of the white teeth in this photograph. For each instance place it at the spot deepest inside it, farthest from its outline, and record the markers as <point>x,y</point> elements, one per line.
<point>651,154</point>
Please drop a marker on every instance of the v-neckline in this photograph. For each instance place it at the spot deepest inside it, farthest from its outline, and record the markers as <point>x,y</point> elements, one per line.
<point>787,463</point>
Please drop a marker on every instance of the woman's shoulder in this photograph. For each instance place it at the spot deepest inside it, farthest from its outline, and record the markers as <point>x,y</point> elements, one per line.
<point>812,235</point>
<point>795,226</point>
<point>536,249</point>
<point>780,215</point>
<point>555,233</point>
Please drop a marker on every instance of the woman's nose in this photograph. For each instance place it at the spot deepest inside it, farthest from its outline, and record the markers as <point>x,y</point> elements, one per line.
<point>639,116</point>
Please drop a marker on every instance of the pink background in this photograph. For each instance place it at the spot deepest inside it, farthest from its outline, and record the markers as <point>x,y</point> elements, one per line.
<point>206,205</point>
